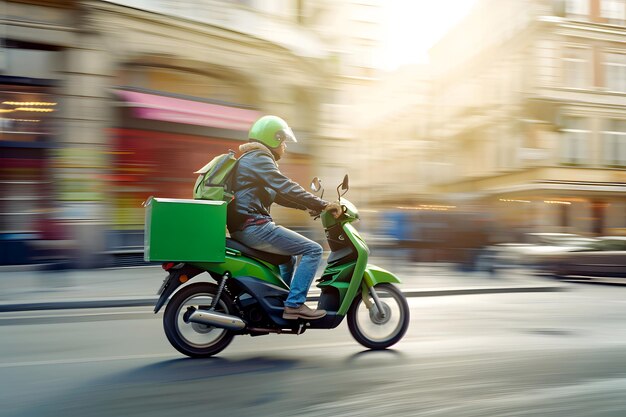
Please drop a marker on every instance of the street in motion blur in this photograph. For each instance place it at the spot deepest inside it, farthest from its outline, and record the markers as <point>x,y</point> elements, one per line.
<point>486,147</point>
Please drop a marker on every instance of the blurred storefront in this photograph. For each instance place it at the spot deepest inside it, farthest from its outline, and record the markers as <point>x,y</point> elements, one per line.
<point>144,95</point>
<point>26,141</point>
<point>54,143</point>
<point>156,150</point>
<point>159,141</point>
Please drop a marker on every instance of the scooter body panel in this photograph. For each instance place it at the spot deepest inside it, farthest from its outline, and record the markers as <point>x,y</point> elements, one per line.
<point>343,276</point>
<point>235,263</point>
<point>269,296</point>
<point>242,266</point>
<point>271,299</point>
<point>359,267</point>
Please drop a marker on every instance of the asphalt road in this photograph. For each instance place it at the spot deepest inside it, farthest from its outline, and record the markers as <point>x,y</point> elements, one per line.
<point>539,354</point>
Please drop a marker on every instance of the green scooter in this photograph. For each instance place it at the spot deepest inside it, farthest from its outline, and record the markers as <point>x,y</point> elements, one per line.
<point>201,319</point>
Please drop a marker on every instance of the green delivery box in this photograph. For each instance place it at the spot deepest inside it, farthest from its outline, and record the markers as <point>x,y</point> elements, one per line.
<point>185,230</point>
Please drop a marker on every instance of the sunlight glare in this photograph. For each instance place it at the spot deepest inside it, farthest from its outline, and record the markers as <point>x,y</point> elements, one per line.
<point>414,26</point>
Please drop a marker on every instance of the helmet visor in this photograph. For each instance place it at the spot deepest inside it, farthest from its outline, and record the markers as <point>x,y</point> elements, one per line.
<point>286,135</point>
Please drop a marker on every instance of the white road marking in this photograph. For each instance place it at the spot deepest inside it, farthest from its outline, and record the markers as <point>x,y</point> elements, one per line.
<point>66,315</point>
<point>86,360</point>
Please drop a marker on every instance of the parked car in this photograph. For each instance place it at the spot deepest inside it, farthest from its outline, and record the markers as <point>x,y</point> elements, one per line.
<point>604,258</point>
<point>535,246</point>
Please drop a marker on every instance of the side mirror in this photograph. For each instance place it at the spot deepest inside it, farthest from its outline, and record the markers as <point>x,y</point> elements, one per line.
<point>316,184</point>
<point>344,184</point>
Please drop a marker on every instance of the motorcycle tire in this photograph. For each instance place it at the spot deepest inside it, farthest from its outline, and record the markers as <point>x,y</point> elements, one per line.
<point>370,328</point>
<point>193,339</point>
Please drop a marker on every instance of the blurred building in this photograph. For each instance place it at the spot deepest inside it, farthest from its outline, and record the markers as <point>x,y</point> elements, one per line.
<point>391,142</point>
<point>107,102</point>
<point>353,32</point>
<point>528,115</point>
<point>29,106</point>
<point>392,174</point>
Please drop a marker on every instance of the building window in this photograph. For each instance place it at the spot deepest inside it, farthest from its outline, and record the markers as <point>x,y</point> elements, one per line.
<point>576,67</point>
<point>598,216</point>
<point>575,138</point>
<point>564,215</point>
<point>26,113</point>
<point>614,142</point>
<point>615,72</point>
<point>613,11</point>
<point>577,8</point>
<point>26,133</point>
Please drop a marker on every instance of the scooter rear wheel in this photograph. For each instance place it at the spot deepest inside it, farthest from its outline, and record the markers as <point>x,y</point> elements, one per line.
<point>374,330</point>
<point>193,339</point>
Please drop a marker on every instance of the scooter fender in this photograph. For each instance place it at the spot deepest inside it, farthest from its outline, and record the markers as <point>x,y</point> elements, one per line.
<point>175,279</point>
<point>374,275</point>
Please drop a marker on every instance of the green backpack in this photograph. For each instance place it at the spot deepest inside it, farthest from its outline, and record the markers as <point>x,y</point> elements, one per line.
<point>214,182</point>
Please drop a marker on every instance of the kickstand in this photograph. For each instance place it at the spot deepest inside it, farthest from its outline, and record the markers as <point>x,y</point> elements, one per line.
<point>300,329</point>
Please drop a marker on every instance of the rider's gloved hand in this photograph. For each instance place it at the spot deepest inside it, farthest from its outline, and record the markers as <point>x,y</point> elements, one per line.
<point>314,213</point>
<point>334,208</point>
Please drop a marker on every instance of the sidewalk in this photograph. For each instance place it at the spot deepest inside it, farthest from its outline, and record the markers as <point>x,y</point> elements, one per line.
<point>125,287</point>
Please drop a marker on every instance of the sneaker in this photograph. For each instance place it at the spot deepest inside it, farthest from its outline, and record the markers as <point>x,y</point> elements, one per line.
<point>302,312</point>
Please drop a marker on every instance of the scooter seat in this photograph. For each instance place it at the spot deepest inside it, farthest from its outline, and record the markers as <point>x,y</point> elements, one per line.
<point>273,258</point>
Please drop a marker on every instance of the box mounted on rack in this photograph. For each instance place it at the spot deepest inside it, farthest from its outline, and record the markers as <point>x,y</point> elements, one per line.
<point>185,230</point>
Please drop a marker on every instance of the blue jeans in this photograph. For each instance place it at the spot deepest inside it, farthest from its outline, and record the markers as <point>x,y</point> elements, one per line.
<point>268,237</point>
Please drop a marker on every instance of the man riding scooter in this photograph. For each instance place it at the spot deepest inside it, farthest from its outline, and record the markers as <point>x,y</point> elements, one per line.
<point>257,184</point>
<point>257,292</point>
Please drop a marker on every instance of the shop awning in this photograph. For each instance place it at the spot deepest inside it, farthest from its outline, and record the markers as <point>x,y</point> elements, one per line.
<point>176,110</point>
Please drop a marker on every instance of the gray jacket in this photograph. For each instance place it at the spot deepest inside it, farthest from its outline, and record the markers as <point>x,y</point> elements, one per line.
<point>258,183</point>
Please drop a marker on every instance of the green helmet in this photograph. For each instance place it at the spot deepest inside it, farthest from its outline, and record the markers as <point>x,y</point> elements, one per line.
<point>271,131</point>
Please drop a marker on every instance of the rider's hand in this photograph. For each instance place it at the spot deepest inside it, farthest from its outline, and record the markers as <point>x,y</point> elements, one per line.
<point>314,213</point>
<point>335,209</point>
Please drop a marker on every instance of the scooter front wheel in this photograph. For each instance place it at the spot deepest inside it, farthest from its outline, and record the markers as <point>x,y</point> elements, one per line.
<point>194,339</point>
<point>376,330</point>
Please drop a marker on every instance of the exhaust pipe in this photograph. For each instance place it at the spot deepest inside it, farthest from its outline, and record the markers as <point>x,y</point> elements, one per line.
<point>215,319</point>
